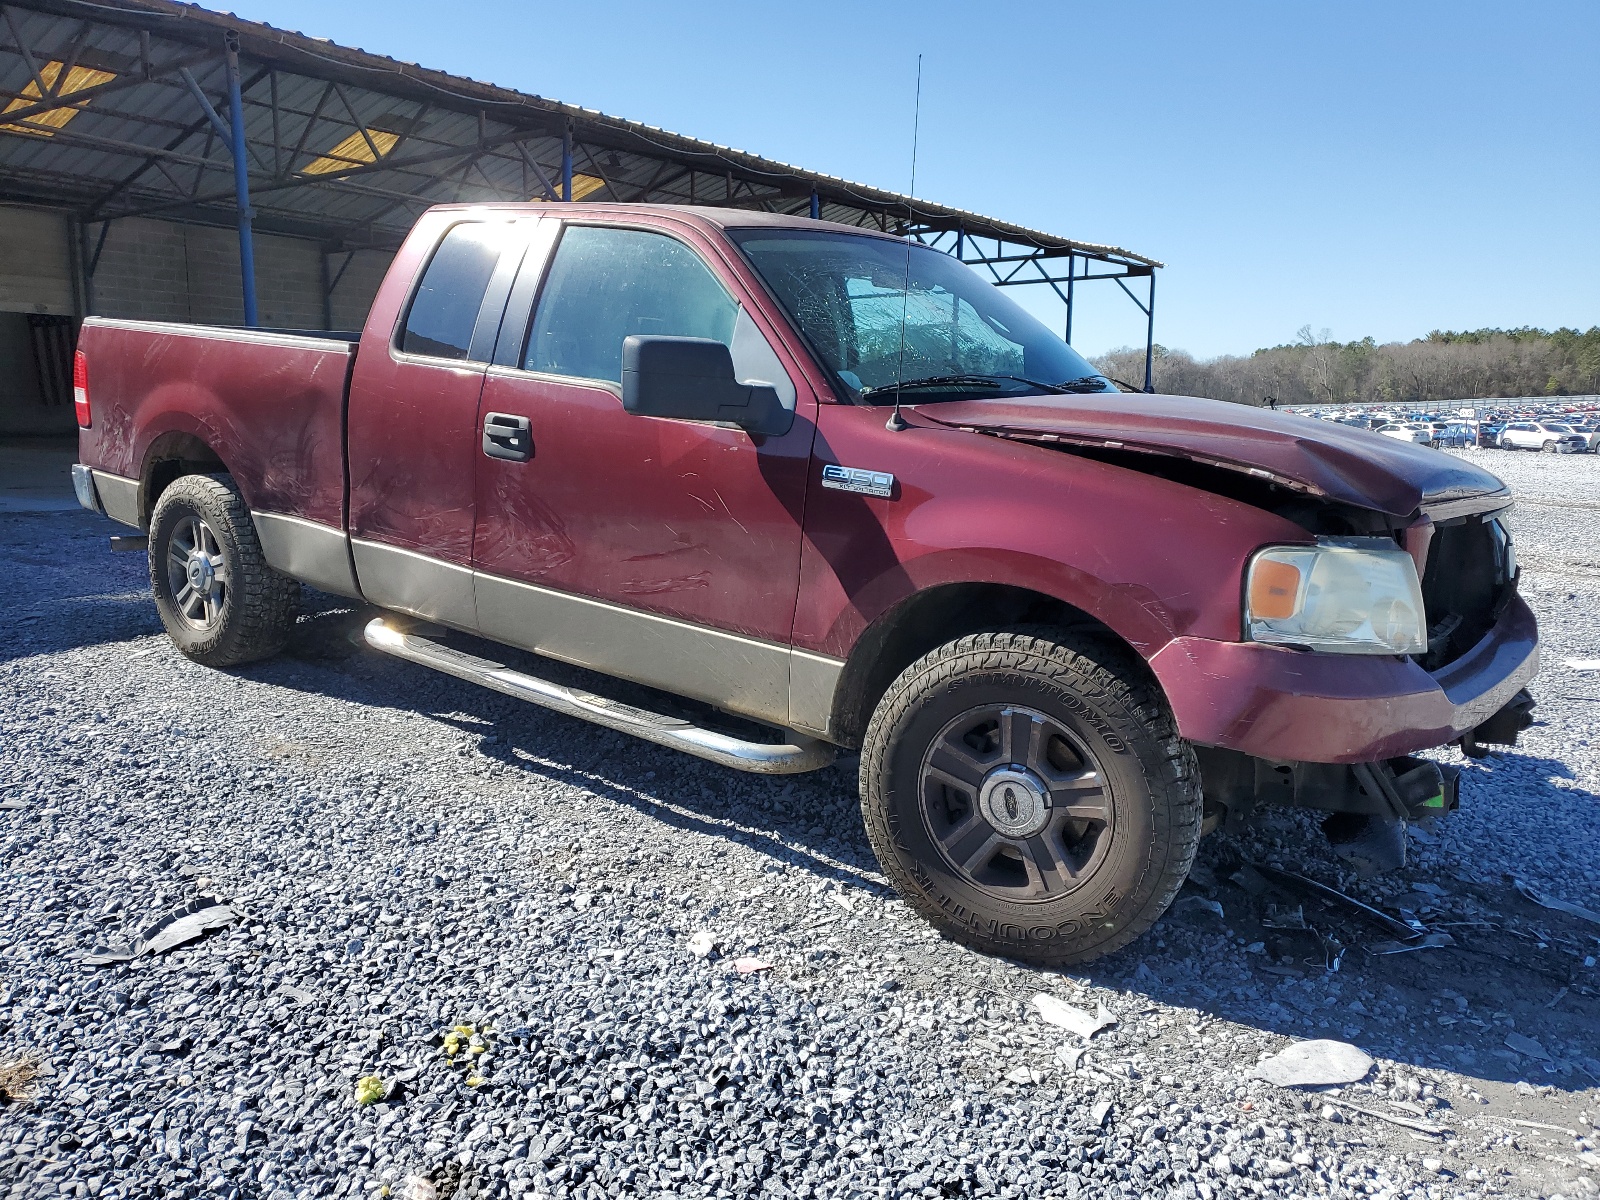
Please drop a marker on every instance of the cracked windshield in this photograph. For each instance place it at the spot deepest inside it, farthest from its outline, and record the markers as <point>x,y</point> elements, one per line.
<point>963,338</point>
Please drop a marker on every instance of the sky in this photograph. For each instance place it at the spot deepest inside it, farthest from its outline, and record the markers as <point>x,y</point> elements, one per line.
<point>1379,169</point>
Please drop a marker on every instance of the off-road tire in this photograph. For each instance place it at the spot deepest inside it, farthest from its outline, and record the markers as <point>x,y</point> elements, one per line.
<point>256,611</point>
<point>1097,691</point>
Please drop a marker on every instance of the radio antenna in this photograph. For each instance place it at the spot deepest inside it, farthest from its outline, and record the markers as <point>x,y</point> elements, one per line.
<point>896,422</point>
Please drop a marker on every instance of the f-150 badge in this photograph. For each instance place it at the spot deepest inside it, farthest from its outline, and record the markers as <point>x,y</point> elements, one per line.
<point>854,479</point>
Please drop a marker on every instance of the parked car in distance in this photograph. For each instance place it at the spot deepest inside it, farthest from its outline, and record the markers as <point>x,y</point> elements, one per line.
<point>825,492</point>
<point>1422,435</point>
<point>1590,431</point>
<point>1552,437</point>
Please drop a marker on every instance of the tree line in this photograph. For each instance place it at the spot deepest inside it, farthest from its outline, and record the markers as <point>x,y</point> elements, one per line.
<point>1442,366</point>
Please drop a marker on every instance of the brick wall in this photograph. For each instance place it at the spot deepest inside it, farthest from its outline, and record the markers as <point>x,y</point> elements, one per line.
<point>161,271</point>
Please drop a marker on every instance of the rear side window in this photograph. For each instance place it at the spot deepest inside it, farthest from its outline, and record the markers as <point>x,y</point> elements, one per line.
<point>445,308</point>
<point>606,284</point>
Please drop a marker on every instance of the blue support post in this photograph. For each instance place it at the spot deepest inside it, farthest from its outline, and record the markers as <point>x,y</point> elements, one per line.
<point>241,181</point>
<point>1150,335</point>
<point>816,206</point>
<point>566,163</point>
<point>1072,273</point>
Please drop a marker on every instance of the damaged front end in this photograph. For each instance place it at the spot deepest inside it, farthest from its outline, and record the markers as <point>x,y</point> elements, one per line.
<point>1369,804</point>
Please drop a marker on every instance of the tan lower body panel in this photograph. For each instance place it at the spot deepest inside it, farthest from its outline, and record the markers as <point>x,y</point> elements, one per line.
<point>413,583</point>
<point>120,498</point>
<point>762,680</point>
<point>308,551</point>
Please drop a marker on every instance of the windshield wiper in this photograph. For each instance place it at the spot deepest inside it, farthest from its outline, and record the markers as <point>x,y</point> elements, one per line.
<point>1084,383</point>
<point>982,381</point>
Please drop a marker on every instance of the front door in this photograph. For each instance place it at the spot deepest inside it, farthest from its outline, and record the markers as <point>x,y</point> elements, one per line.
<point>663,551</point>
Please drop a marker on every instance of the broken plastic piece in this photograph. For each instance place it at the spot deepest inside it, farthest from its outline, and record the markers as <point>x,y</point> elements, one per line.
<point>1523,1044</point>
<point>1428,941</point>
<point>370,1089</point>
<point>1099,1113</point>
<point>1198,906</point>
<point>1529,892</point>
<point>12,805</point>
<point>184,925</point>
<point>1023,1075</point>
<point>1319,1063</point>
<point>1074,1020</point>
<point>700,945</point>
<point>749,966</point>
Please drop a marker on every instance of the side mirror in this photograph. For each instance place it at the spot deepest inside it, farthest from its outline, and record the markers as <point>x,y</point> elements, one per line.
<point>691,379</point>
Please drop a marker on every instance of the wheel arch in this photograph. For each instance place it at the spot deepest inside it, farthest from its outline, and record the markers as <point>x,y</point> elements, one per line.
<point>933,616</point>
<point>170,456</point>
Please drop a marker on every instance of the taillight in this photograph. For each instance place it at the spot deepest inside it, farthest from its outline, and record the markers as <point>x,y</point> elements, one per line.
<point>80,387</point>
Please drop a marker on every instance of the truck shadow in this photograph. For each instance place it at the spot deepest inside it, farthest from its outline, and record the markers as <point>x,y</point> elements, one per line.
<point>1516,969</point>
<point>1511,1000</point>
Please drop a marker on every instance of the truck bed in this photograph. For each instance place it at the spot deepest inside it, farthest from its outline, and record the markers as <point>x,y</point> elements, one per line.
<point>269,404</point>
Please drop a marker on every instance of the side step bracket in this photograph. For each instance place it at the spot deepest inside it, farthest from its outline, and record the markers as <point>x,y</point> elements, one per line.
<point>791,758</point>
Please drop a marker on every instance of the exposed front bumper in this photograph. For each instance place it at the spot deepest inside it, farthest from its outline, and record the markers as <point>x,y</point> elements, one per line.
<point>1292,705</point>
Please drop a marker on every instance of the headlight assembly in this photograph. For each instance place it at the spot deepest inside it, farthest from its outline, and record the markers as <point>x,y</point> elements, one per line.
<point>1343,595</point>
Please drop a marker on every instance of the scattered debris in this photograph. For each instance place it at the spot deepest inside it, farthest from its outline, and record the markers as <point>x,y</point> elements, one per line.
<point>1382,919</point>
<point>1404,1122</point>
<point>1025,1075</point>
<point>1582,664</point>
<point>843,901</point>
<point>1533,1125</point>
<point>1074,1020</point>
<point>1428,941</point>
<point>298,995</point>
<point>419,1187</point>
<point>16,1078</point>
<point>1318,1063</point>
<point>12,805</point>
<point>178,928</point>
<point>184,925</point>
<point>749,966</point>
<point>1529,892</point>
<point>1070,1056</point>
<point>701,945</point>
<point>370,1089</point>
<point>1099,1112</point>
<point>1523,1044</point>
<point>1197,906</point>
<point>1372,845</point>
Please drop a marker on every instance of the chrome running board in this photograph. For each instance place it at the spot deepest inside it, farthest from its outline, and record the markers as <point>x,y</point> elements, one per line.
<point>803,754</point>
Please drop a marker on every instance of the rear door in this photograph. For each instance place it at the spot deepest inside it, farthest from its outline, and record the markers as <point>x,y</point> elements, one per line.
<point>660,550</point>
<point>413,425</point>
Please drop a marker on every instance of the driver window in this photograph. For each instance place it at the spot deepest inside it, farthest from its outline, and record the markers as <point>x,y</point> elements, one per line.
<point>605,284</point>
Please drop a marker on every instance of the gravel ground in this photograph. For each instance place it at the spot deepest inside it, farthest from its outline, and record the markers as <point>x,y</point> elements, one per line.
<point>409,854</point>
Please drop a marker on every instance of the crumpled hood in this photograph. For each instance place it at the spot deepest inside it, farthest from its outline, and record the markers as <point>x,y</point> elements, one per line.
<point>1353,466</point>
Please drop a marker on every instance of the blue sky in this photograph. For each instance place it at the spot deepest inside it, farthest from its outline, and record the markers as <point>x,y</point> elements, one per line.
<point>1368,168</point>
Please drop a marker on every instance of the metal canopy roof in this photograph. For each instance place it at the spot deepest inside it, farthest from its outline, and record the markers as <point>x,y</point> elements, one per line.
<point>116,110</point>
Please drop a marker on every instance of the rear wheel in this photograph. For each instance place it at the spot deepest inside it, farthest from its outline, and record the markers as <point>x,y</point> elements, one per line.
<point>1027,792</point>
<point>220,602</point>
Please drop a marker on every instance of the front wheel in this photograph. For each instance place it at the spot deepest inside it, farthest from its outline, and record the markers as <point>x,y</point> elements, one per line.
<point>221,603</point>
<point>1027,792</point>
<point>1549,447</point>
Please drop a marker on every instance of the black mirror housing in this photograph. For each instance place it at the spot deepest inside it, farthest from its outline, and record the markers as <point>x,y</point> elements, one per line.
<point>692,379</point>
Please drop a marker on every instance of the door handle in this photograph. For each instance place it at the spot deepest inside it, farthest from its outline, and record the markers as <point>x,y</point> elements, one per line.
<point>508,437</point>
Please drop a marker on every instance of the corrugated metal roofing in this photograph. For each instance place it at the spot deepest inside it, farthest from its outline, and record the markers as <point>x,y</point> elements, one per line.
<point>141,145</point>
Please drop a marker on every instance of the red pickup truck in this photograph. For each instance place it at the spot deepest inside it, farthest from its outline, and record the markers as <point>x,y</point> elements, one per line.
<point>835,485</point>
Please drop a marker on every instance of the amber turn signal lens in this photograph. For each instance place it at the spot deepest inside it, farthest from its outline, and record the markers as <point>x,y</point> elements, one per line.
<point>1274,587</point>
